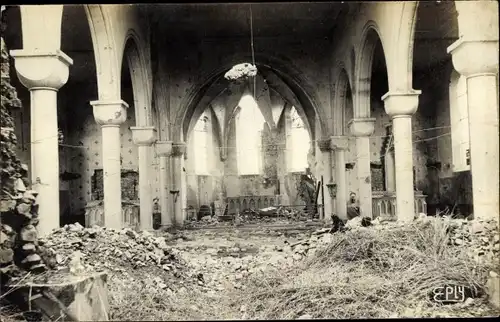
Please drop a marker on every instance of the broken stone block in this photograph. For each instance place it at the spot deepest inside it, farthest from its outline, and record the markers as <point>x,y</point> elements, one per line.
<point>29,248</point>
<point>7,205</point>
<point>32,259</point>
<point>6,256</point>
<point>305,317</point>
<point>24,209</point>
<point>29,234</point>
<point>84,297</point>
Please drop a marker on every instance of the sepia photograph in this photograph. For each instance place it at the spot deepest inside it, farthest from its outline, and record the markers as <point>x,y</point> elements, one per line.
<point>249,161</point>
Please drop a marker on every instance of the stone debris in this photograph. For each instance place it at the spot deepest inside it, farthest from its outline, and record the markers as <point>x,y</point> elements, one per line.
<point>270,215</point>
<point>18,234</point>
<point>480,236</point>
<point>137,255</point>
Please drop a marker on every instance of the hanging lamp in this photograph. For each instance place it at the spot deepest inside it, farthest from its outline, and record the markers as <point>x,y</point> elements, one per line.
<point>241,72</point>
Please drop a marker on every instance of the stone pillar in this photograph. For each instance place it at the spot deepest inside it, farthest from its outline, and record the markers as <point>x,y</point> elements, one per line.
<point>390,166</point>
<point>164,150</point>
<point>339,145</point>
<point>326,155</point>
<point>400,107</point>
<point>481,73</point>
<point>109,115</point>
<point>144,137</point>
<point>178,151</point>
<point>43,73</point>
<point>362,129</point>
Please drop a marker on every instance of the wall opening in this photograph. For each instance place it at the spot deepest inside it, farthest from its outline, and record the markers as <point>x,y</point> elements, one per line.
<point>299,143</point>
<point>249,129</point>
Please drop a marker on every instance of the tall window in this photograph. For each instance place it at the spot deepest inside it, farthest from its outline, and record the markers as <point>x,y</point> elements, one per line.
<point>249,124</point>
<point>299,144</point>
<point>200,138</point>
<point>459,119</point>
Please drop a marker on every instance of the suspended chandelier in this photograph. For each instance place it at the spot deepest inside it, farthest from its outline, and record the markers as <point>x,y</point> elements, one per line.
<point>244,71</point>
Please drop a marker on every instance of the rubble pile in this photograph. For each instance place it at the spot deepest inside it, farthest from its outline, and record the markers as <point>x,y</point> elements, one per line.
<point>376,269</point>
<point>124,253</point>
<point>481,237</point>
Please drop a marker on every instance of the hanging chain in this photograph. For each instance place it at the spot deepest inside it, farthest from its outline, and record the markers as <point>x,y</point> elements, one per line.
<point>252,47</point>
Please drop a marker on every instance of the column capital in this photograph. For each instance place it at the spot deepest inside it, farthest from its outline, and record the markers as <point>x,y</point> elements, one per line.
<point>339,143</point>
<point>143,135</point>
<point>41,69</point>
<point>324,144</point>
<point>110,112</point>
<point>164,148</point>
<point>401,103</point>
<point>360,127</point>
<point>468,62</point>
<point>178,149</point>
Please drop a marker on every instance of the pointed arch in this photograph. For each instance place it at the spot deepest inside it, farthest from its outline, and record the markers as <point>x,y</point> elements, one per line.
<point>140,79</point>
<point>249,136</point>
<point>106,58</point>
<point>363,67</point>
<point>342,87</point>
<point>285,70</point>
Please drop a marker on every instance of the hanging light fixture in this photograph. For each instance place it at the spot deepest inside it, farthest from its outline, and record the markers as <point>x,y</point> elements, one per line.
<point>244,71</point>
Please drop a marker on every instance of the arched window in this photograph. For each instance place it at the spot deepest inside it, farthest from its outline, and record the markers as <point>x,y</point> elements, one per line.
<point>299,144</point>
<point>459,120</point>
<point>200,138</point>
<point>249,125</point>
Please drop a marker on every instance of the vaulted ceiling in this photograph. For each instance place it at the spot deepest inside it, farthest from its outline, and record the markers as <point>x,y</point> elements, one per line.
<point>293,19</point>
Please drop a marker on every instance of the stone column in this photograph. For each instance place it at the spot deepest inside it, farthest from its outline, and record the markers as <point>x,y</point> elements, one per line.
<point>326,155</point>
<point>43,73</point>
<point>109,115</point>
<point>362,129</point>
<point>144,137</point>
<point>178,151</point>
<point>400,107</point>
<point>390,166</point>
<point>164,150</point>
<point>339,145</point>
<point>481,71</point>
